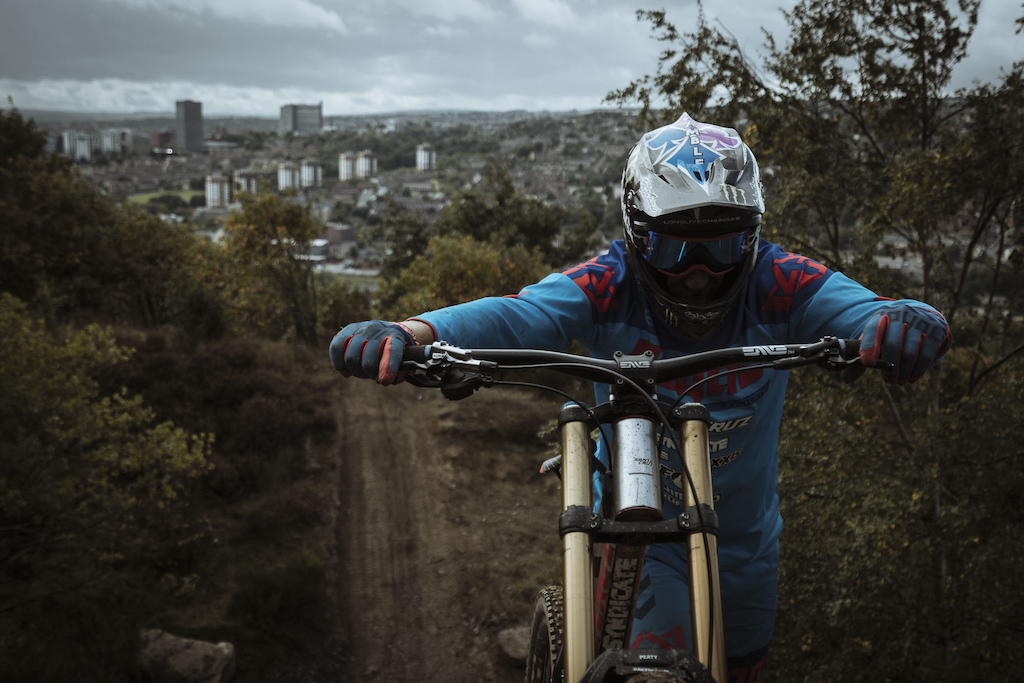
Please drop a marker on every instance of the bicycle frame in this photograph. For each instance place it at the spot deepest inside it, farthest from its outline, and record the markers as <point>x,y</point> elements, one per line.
<point>597,616</point>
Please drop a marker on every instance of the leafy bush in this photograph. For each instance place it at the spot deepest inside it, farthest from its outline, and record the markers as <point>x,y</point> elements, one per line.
<point>92,488</point>
<point>260,409</point>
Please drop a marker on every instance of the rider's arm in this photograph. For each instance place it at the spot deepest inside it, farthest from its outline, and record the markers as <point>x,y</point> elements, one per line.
<point>549,314</point>
<point>545,315</point>
<point>907,334</point>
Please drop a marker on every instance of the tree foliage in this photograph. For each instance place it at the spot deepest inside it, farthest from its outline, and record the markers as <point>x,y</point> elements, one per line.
<point>91,491</point>
<point>502,228</point>
<point>457,268</point>
<point>866,154</point>
<point>104,505</point>
<point>269,242</point>
<point>68,251</point>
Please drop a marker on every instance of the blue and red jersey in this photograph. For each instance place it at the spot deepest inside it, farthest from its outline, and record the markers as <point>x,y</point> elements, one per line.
<point>787,299</point>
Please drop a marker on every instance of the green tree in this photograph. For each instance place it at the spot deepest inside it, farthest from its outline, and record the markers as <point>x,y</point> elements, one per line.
<point>458,268</point>
<point>68,251</point>
<point>269,241</point>
<point>341,303</point>
<point>51,240</point>
<point>496,215</point>
<point>93,501</point>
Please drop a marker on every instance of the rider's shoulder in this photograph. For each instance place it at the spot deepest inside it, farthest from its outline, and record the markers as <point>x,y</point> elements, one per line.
<point>611,264</point>
<point>775,262</point>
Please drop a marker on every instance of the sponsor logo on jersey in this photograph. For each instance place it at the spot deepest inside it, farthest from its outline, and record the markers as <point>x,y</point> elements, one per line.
<point>595,279</point>
<point>792,274</point>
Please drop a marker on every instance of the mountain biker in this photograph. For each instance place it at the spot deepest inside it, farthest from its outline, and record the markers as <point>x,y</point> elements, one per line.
<point>690,275</point>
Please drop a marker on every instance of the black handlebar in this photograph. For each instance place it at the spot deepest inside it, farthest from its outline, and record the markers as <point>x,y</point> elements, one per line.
<point>441,358</point>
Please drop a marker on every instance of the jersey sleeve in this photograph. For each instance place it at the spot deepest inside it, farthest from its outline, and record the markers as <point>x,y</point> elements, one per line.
<point>805,301</point>
<point>547,315</point>
<point>840,307</point>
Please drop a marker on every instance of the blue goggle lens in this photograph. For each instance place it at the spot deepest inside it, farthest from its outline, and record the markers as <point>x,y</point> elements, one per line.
<point>675,254</point>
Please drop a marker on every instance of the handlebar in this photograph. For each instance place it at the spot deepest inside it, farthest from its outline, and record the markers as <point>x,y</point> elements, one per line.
<point>464,370</point>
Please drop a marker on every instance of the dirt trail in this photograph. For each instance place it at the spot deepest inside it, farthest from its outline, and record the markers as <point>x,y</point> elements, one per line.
<point>442,541</point>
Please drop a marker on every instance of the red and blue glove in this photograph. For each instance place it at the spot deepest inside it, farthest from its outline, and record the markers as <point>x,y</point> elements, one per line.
<point>911,339</point>
<point>371,349</point>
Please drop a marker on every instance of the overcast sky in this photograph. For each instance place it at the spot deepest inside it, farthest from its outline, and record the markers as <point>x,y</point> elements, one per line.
<point>249,57</point>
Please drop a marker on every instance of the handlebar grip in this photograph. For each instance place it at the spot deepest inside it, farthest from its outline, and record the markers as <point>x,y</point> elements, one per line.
<point>416,354</point>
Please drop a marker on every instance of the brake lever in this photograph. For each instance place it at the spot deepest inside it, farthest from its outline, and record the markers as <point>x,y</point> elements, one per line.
<point>449,368</point>
<point>833,361</point>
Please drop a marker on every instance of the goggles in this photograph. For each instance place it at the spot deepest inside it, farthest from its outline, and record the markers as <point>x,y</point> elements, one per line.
<point>675,254</point>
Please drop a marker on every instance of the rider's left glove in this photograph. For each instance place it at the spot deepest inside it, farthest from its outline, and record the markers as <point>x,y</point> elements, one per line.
<point>371,349</point>
<point>911,339</point>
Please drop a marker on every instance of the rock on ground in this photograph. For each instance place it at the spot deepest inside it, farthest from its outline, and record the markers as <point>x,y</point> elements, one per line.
<point>169,659</point>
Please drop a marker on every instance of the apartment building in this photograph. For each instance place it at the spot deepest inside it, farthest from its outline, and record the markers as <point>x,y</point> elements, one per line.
<point>188,134</point>
<point>346,166</point>
<point>77,144</point>
<point>426,158</point>
<point>311,173</point>
<point>288,177</point>
<point>301,119</point>
<point>116,141</point>
<point>247,180</point>
<point>366,164</point>
<point>218,190</point>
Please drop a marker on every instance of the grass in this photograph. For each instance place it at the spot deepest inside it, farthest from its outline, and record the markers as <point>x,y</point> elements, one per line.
<point>144,197</point>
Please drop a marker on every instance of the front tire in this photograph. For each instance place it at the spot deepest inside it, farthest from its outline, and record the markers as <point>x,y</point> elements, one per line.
<point>544,657</point>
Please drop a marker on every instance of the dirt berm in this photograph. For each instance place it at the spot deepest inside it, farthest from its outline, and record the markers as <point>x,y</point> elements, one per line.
<point>445,529</point>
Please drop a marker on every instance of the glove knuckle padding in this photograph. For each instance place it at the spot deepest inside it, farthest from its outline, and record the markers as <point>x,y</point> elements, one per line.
<point>369,357</point>
<point>874,335</point>
<point>339,347</point>
<point>354,356</point>
<point>912,338</point>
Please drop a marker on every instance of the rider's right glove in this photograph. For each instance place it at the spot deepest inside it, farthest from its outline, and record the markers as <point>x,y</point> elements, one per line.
<point>371,349</point>
<point>911,339</point>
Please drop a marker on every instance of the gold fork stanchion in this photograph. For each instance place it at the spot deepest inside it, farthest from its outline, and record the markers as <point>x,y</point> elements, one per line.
<point>702,549</point>
<point>578,576</point>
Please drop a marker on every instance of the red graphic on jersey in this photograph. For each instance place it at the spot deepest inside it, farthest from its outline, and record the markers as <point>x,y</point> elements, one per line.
<point>792,273</point>
<point>643,346</point>
<point>676,638</point>
<point>598,288</point>
<point>719,384</point>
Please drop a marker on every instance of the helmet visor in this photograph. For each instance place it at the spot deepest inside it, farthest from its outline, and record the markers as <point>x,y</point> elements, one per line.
<point>675,254</point>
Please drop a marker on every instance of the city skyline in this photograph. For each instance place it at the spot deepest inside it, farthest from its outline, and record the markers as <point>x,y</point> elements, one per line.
<point>244,58</point>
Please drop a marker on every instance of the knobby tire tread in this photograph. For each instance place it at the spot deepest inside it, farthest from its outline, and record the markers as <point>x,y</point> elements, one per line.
<point>546,637</point>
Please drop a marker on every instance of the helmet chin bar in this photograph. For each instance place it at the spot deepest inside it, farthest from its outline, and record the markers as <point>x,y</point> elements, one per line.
<point>694,320</point>
<point>682,287</point>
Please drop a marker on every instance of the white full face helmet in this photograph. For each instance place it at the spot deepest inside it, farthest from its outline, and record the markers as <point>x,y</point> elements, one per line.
<point>692,199</point>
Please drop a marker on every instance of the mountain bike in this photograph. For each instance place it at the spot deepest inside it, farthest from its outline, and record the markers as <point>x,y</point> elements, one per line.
<point>581,629</point>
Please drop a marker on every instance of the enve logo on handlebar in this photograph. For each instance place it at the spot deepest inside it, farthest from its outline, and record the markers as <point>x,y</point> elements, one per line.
<point>773,350</point>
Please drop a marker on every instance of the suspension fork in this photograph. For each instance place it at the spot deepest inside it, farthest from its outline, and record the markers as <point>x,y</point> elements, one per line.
<point>702,549</point>
<point>577,567</point>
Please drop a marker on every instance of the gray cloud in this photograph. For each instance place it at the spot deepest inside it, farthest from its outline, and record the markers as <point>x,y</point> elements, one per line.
<point>251,56</point>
